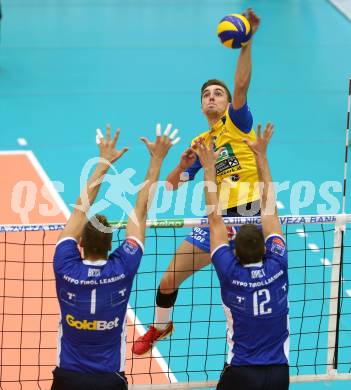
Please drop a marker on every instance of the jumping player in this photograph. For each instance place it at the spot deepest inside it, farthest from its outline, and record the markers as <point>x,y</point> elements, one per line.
<point>230,121</point>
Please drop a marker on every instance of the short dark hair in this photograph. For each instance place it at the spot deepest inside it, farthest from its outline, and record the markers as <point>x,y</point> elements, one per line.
<point>216,82</point>
<point>94,241</point>
<point>249,244</point>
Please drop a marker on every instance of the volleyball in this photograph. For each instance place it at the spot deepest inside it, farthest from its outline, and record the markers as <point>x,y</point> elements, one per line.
<point>234,31</point>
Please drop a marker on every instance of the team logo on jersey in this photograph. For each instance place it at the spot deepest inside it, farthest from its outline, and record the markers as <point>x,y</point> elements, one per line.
<point>119,297</point>
<point>122,292</point>
<point>282,293</point>
<point>91,325</point>
<point>231,232</point>
<point>68,297</point>
<point>130,246</point>
<point>278,246</point>
<point>239,301</point>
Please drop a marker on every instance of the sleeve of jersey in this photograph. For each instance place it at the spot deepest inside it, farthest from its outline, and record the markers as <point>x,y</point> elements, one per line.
<point>276,249</point>
<point>242,118</point>
<point>129,254</point>
<point>222,259</point>
<point>66,255</point>
<point>189,174</point>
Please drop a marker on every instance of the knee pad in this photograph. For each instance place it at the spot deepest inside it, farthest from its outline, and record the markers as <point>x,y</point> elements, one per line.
<point>166,300</point>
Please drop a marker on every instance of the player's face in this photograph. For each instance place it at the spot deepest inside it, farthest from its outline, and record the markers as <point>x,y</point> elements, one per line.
<point>214,100</point>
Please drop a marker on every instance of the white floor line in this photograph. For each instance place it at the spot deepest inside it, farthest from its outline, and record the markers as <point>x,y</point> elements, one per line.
<point>62,205</point>
<point>325,261</point>
<point>155,352</point>
<point>314,247</point>
<point>46,180</point>
<point>22,141</point>
<point>12,152</point>
<point>344,6</point>
<point>301,233</point>
<point>280,205</point>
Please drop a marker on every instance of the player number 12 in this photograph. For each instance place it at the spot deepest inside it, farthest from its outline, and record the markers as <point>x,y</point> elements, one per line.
<point>261,309</point>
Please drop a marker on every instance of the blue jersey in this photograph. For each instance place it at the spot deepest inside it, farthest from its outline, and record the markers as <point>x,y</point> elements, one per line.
<point>93,298</point>
<point>255,299</point>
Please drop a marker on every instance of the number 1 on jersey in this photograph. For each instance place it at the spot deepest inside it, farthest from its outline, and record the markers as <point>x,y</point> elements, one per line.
<point>260,309</point>
<point>93,301</point>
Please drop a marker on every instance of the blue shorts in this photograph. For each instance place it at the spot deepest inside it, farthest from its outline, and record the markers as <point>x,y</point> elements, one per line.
<point>200,235</point>
<point>254,377</point>
<point>72,380</point>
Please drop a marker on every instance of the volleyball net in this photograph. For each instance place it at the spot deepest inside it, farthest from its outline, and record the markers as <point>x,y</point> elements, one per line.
<point>320,306</point>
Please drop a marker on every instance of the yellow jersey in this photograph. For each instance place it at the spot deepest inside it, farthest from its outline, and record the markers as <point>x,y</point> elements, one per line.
<point>236,171</point>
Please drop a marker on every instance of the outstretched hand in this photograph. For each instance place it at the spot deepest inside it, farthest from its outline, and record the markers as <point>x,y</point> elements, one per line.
<point>253,19</point>
<point>187,159</point>
<point>107,145</point>
<point>163,143</point>
<point>207,155</point>
<point>259,146</point>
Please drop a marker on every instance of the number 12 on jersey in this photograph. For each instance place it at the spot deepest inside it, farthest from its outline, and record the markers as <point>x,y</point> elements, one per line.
<point>260,308</point>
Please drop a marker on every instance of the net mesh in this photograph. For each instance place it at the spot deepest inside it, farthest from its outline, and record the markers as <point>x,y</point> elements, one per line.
<point>29,312</point>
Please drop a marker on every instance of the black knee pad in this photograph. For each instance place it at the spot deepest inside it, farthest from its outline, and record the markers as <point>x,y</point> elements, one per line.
<point>166,300</point>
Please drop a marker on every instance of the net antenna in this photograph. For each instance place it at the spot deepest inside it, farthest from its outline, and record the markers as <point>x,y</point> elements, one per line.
<point>347,145</point>
<point>338,260</point>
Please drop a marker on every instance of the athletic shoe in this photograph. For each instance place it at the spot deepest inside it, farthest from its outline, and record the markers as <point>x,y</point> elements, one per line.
<point>145,343</point>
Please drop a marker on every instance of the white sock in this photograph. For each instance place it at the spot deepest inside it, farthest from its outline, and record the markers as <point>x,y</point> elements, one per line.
<point>162,317</point>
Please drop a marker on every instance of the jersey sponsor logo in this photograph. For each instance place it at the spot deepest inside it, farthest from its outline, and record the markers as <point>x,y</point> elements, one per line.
<point>84,282</point>
<point>93,272</point>
<point>278,246</point>
<point>95,325</point>
<point>199,234</point>
<point>261,283</point>
<point>130,246</point>
<point>227,162</point>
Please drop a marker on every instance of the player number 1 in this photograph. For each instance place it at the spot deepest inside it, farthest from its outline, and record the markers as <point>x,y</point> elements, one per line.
<point>260,309</point>
<point>93,301</point>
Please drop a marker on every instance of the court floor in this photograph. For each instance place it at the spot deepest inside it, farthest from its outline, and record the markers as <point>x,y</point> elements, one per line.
<point>67,67</point>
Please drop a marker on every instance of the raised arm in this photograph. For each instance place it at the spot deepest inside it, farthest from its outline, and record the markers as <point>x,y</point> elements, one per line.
<point>108,155</point>
<point>218,231</point>
<point>269,214</point>
<point>179,175</point>
<point>188,157</point>
<point>158,151</point>
<point>242,75</point>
